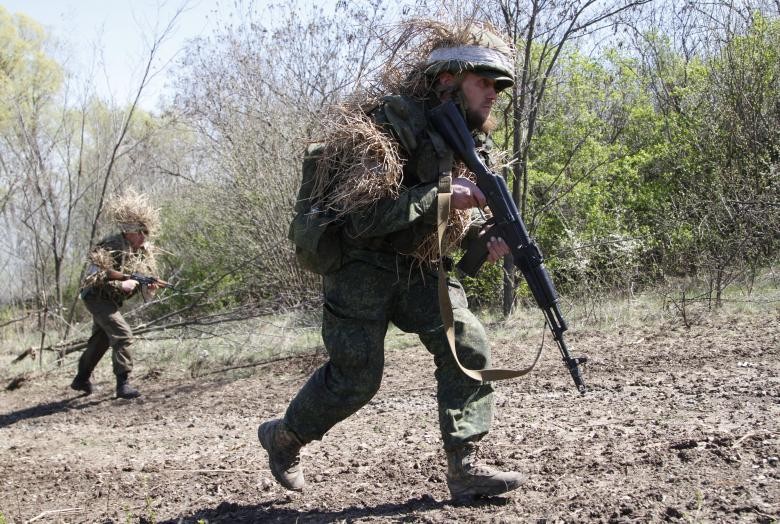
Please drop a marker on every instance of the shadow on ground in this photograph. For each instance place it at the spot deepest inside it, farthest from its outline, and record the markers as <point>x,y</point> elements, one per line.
<point>150,392</point>
<point>46,409</point>
<point>273,511</point>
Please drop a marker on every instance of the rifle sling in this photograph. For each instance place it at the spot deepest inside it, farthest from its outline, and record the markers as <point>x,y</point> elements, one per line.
<point>445,305</point>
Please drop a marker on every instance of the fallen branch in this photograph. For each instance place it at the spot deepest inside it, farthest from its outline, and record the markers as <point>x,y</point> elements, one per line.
<point>63,348</point>
<point>52,512</point>
<point>66,347</point>
<point>8,323</point>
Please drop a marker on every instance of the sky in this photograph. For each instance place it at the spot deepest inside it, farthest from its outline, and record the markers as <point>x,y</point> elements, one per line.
<point>108,40</point>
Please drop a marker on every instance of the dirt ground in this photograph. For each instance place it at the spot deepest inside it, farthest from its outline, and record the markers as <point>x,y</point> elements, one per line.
<point>678,425</point>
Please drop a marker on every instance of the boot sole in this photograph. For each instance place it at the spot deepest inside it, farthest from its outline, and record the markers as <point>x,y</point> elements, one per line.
<point>87,389</point>
<point>128,397</point>
<point>265,436</point>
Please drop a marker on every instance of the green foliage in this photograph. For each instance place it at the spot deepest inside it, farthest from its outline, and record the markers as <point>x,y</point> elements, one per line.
<point>484,290</point>
<point>188,239</point>
<point>587,200</point>
<point>722,215</point>
<point>27,75</point>
<point>642,167</point>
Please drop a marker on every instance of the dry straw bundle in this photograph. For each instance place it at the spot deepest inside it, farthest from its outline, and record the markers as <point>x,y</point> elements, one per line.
<point>143,261</point>
<point>132,211</point>
<point>457,227</point>
<point>359,165</point>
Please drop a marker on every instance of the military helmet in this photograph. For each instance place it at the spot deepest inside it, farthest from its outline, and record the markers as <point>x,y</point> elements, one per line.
<point>482,52</point>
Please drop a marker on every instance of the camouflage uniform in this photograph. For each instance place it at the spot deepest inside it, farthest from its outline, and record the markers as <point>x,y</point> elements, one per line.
<point>377,284</point>
<point>370,281</point>
<point>103,298</point>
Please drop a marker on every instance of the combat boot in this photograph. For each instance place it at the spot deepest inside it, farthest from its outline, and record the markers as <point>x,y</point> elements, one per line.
<point>284,453</point>
<point>82,384</point>
<point>124,389</point>
<point>466,477</point>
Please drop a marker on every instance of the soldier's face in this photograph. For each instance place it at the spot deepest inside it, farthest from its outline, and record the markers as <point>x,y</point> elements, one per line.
<point>136,239</point>
<point>480,95</point>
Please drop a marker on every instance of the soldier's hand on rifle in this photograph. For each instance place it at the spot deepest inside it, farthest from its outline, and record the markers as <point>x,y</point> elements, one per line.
<point>129,285</point>
<point>497,249</point>
<point>466,194</point>
<point>149,291</point>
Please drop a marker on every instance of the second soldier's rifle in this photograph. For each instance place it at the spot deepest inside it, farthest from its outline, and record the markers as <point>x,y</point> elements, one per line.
<point>506,223</point>
<point>143,280</point>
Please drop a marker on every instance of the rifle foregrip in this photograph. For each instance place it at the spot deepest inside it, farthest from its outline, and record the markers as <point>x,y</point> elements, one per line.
<point>473,258</point>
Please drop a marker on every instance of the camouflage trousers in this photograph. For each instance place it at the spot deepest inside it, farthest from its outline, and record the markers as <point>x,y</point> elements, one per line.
<point>109,328</point>
<point>360,301</point>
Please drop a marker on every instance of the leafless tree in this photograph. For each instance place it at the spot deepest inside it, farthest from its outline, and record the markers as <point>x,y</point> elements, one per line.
<point>253,94</point>
<point>62,159</point>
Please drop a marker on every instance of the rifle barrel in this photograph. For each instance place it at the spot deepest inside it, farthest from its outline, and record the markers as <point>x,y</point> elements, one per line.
<point>449,123</point>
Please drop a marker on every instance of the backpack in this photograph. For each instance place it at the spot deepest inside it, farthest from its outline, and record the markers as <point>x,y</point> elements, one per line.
<point>316,234</point>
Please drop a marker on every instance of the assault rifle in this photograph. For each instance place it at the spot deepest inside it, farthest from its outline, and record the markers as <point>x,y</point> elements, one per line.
<point>145,280</point>
<point>142,279</point>
<point>507,224</point>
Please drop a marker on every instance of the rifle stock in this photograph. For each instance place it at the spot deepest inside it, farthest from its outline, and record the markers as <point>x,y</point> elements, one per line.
<point>506,223</point>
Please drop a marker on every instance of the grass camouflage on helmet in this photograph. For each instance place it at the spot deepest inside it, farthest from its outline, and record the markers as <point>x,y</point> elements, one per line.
<point>131,212</point>
<point>423,48</point>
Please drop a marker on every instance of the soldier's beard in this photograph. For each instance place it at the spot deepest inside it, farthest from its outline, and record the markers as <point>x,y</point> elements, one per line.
<point>477,122</point>
<point>474,120</point>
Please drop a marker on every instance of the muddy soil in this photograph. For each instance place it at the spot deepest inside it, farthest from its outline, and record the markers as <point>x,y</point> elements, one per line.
<point>679,425</point>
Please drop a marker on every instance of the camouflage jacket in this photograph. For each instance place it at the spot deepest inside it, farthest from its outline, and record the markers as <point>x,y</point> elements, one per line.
<point>112,252</point>
<point>397,225</point>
